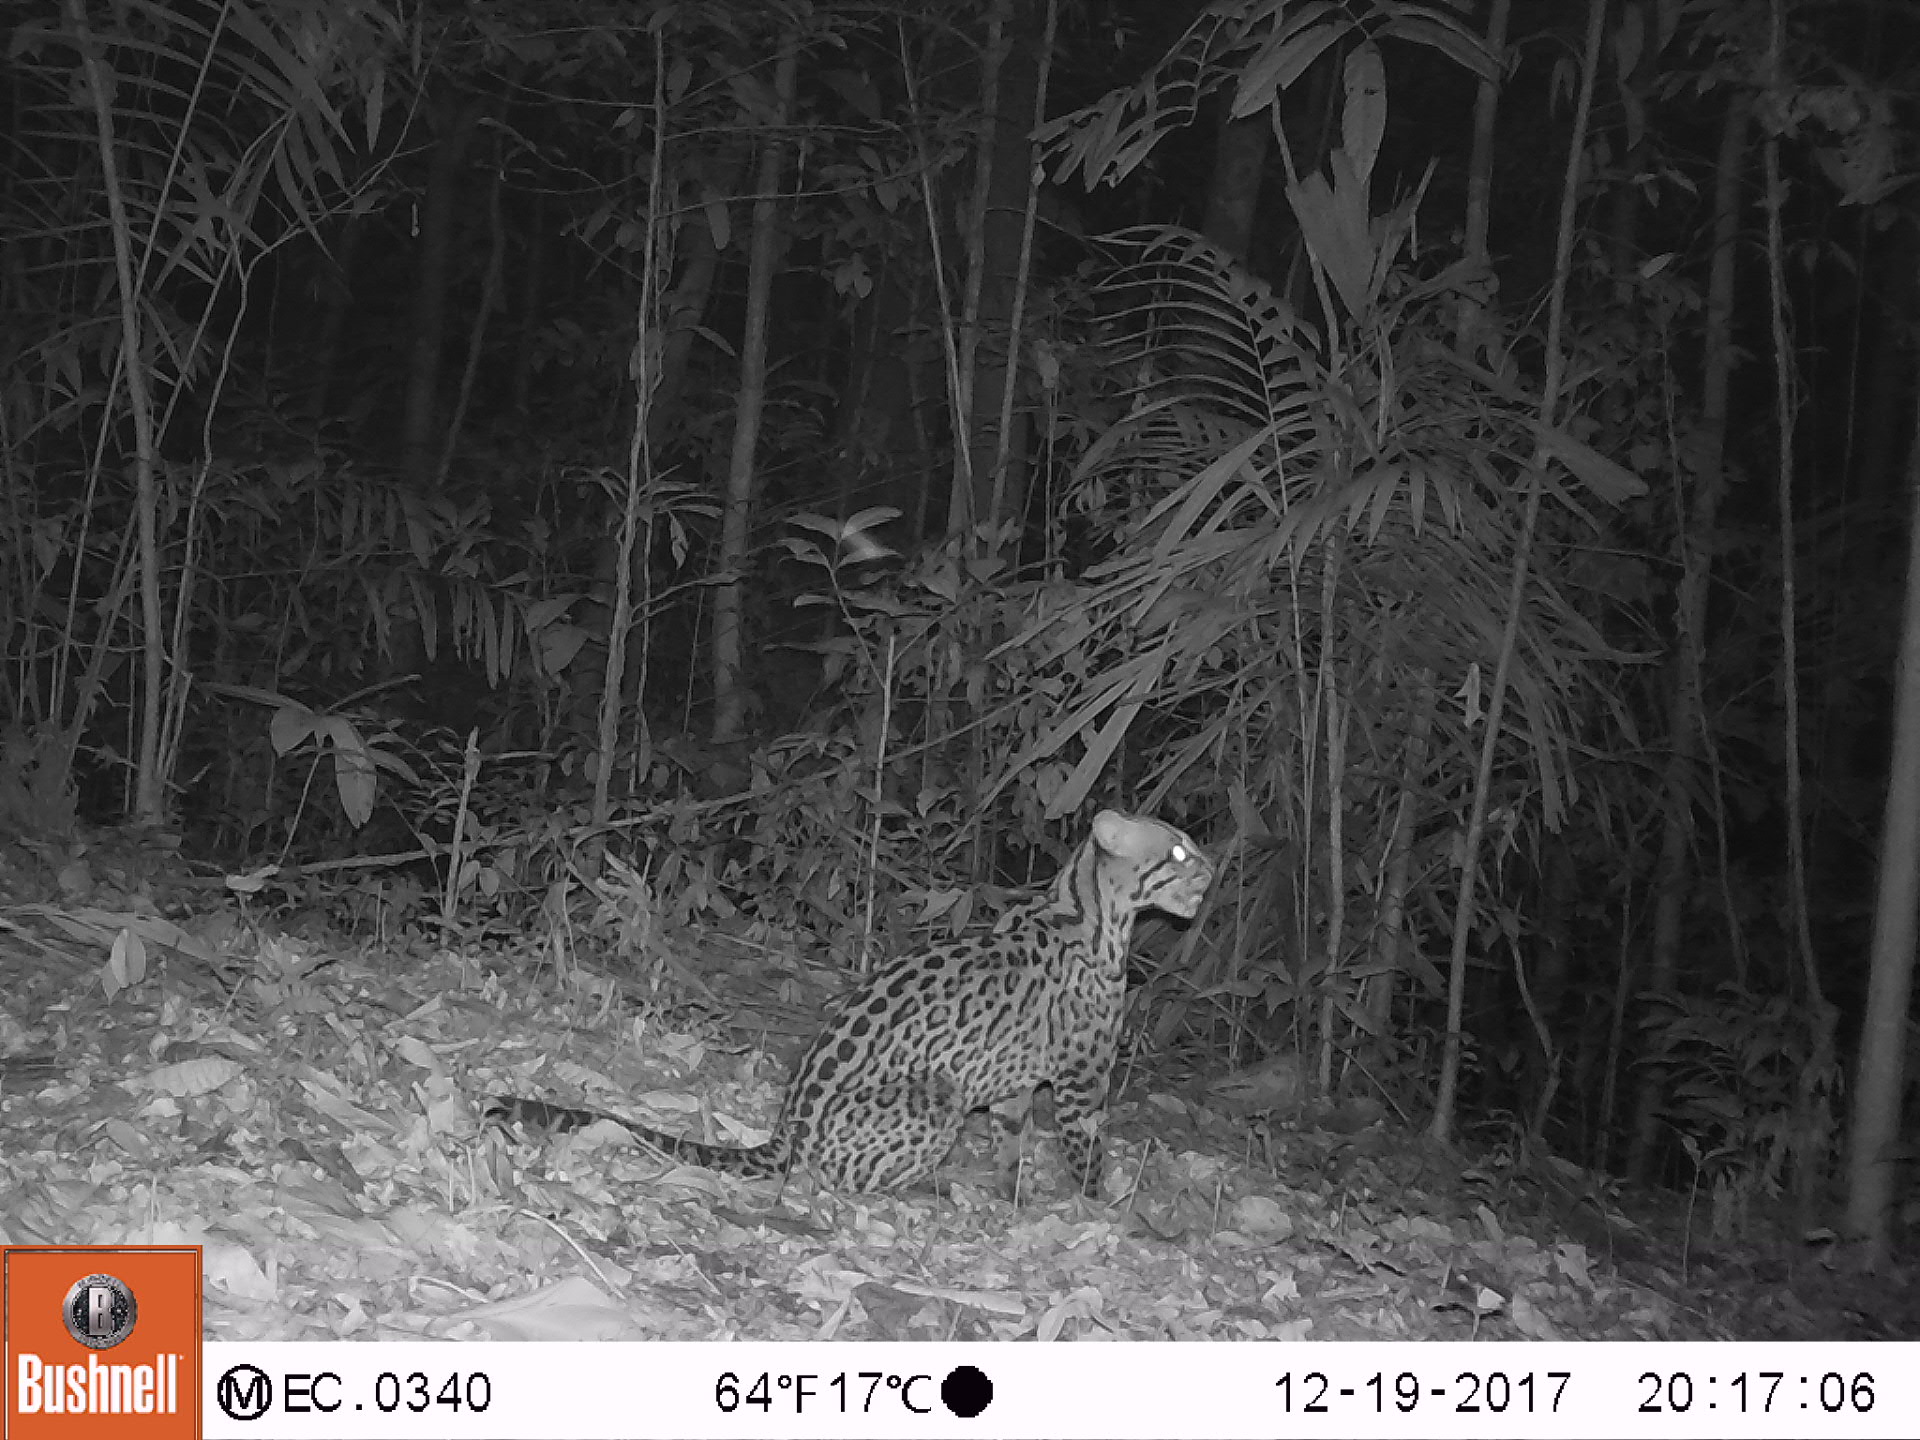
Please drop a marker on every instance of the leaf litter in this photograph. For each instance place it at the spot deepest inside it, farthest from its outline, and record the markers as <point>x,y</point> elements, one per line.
<point>309,1115</point>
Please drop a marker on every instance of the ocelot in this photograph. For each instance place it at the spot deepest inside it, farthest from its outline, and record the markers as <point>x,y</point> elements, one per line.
<point>881,1095</point>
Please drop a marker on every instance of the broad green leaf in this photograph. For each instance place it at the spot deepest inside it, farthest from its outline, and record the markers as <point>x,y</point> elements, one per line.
<point>1364,118</point>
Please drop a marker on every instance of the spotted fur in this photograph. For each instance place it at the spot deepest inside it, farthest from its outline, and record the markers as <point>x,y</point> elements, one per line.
<point>881,1094</point>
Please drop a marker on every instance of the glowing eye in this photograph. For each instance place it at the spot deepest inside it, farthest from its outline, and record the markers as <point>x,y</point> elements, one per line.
<point>1179,853</point>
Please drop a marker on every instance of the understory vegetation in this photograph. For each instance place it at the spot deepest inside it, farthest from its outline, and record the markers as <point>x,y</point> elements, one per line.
<point>602,480</point>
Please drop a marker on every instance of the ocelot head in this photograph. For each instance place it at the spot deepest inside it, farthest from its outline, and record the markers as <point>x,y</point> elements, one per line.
<point>1169,871</point>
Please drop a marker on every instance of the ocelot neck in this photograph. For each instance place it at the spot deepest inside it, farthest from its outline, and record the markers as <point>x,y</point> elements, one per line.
<point>1095,894</point>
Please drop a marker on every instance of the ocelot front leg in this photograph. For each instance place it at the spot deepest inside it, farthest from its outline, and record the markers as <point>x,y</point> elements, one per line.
<point>1079,1099</point>
<point>1010,1118</point>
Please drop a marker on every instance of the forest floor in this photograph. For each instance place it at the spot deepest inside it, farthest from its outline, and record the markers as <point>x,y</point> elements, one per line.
<point>307,1109</point>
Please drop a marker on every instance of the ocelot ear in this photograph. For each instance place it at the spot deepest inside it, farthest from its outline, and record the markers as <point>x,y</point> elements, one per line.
<point>1114,832</point>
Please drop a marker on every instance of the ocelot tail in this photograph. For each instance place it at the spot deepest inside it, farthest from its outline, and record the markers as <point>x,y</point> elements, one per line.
<point>880,1096</point>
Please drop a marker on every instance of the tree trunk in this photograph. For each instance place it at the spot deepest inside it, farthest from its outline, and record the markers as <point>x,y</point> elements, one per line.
<point>873,437</point>
<point>1626,201</point>
<point>1446,1093</point>
<point>1881,1080</point>
<point>1878,467</point>
<point>151,769</point>
<point>1233,191</point>
<point>427,322</point>
<point>490,287</point>
<point>1674,868</point>
<point>1011,88</point>
<point>685,310</point>
<point>729,694</point>
<point>681,314</point>
<point>1391,941</point>
<point>334,275</point>
<point>1486,110</point>
<point>527,302</point>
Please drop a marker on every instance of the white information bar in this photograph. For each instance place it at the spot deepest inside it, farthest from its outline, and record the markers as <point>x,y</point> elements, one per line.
<point>523,1391</point>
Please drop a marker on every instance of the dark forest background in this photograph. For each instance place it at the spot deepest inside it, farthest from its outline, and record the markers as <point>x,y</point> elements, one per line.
<point>799,460</point>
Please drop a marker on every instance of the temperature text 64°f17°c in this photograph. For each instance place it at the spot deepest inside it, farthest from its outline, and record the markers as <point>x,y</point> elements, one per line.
<point>862,1392</point>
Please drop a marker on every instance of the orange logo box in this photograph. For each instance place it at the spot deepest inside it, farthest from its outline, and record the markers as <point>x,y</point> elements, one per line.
<point>100,1341</point>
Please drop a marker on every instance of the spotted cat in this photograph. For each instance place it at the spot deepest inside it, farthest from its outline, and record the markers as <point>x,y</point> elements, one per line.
<point>880,1096</point>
